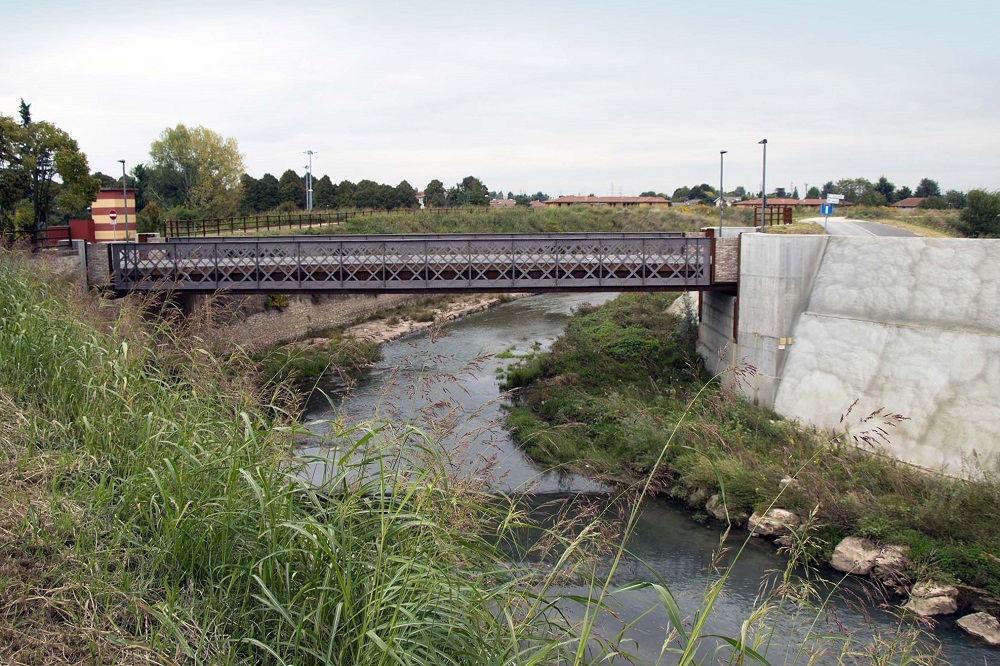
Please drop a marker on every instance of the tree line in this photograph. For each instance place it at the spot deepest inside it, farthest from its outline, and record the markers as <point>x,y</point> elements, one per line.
<point>195,172</point>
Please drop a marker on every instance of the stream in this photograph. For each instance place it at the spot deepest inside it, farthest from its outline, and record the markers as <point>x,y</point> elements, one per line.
<point>457,373</point>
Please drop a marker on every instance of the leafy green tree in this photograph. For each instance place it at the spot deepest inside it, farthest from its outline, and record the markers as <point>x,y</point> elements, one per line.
<point>813,193</point>
<point>270,192</point>
<point>853,188</point>
<point>345,194</point>
<point>149,218</point>
<point>903,193</point>
<point>885,188</point>
<point>872,197</point>
<point>927,188</point>
<point>292,189</point>
<point>197,169</point>
<point>44,177</point>
<point>470,192</point>
<point>107,181</point>
<point>250,196</point>
<point>435,195</point>
<point>981,216</point>
<point>324,193</point>
<point>681,193</point>
<point>933,203</point>
<point>406,196</point>
<point>955,199</point>
<point>648,193</point>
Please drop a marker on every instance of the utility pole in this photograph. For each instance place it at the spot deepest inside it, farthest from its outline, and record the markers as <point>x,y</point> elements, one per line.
<point>309,182</point>
<point>763,188</point>
<point>124,199</point>
<point>722,191</point>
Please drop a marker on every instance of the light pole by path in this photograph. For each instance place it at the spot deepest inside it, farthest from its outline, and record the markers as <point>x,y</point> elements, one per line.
<point>722,191</point>
<point>124,199</point>
<point>763,188</point>
<point>309,182</point>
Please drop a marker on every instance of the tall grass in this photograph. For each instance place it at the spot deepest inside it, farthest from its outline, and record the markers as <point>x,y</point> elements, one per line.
<point>197,535</point>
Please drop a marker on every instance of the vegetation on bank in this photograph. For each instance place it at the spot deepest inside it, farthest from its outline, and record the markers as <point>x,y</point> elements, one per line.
<point>608,396</point>
<point>332,354</point>
<point>152,512</point>
<point>528,220</point>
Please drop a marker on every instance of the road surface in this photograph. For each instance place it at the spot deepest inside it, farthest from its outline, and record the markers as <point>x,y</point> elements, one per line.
<point>842,226</point>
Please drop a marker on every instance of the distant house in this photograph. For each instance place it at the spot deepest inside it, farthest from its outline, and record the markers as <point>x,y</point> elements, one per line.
<point>909,203</point>
<point>502,203</point>
<point>420,199</point>
<point>624,202</point>
<point>782,201</point>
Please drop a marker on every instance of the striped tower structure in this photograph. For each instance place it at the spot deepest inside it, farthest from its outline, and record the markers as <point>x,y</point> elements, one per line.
<point>110,199</point>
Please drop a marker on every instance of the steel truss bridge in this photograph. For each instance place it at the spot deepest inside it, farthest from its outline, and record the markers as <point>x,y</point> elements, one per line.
<point>417,263</point>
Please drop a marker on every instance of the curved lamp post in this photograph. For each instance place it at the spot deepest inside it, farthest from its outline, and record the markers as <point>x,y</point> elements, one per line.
<point>763,188</point>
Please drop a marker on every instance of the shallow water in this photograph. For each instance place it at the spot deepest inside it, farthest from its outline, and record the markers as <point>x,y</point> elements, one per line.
<point>448,383</point>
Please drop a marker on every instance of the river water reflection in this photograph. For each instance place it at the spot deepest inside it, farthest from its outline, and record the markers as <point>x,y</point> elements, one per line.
<point>454,374</point>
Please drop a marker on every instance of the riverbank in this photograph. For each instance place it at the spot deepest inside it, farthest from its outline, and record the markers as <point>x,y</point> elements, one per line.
<point>620,397</point>
<point>152,511</point>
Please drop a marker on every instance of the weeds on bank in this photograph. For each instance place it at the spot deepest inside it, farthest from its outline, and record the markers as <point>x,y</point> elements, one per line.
<point>183,531</point>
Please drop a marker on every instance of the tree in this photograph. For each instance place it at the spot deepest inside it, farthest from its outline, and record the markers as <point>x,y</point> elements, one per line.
<point>927,188</point>
<point>196,168</point>
<point>470,192</point>
<point>873,197</point>
<point>292,190</point>
<point>324,193</point>
<point>829,188</point>
<point>853,188</point>
<point>955,199</point>
<point>648,193</point>
<point>434,194</point>
<point>44,178</point>
<point>981,216</point>
<point>885,188</point>
<point>813,193</point>
<point>681,193</point>
<point>406,196</point>
<point>345,194</point>
<point>903,193</point>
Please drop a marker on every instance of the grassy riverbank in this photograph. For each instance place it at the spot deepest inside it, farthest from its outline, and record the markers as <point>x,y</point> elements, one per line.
<point>526,220</point>
<point>608,397</point>
<point>151,512</point>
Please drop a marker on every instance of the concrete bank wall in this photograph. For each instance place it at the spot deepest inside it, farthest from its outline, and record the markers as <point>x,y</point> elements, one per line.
<point>258,326</point>
<point>776,278</point>
<point>908,325</point>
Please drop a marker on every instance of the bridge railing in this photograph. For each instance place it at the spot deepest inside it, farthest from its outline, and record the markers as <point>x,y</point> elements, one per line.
<point>373,264</point>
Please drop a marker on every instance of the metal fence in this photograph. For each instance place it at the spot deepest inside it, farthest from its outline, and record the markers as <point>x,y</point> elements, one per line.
<point>432,263</point>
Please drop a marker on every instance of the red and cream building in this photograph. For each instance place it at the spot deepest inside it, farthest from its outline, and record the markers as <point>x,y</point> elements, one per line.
<point>109,200</point>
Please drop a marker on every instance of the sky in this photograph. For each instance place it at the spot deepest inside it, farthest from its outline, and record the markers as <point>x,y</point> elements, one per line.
<point>563,97</point>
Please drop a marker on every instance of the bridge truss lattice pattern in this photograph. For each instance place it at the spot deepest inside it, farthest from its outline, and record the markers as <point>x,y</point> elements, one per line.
<point>431,263</point>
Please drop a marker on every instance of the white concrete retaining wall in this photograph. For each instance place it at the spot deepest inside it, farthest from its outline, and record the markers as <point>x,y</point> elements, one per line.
<point>910,325</point>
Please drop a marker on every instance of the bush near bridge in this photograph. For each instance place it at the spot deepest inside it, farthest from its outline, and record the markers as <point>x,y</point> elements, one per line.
<point>607,397</point>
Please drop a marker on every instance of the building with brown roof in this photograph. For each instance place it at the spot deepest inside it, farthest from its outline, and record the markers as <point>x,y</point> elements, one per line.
<point>559,202</point>
<point>909,203</point>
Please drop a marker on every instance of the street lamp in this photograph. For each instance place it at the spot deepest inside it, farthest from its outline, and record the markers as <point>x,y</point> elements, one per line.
<point>722,191</point>
<point>309,182</point>
<point>124,199</point>
<point>763,188</point>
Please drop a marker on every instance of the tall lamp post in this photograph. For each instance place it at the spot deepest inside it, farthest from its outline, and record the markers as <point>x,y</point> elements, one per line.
<point>763,188</point>
<point>309,182</point>
<point>124,199</point>
<point>722,191</point>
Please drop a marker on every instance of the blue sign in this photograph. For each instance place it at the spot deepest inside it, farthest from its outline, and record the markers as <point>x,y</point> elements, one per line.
<point>826,209</point>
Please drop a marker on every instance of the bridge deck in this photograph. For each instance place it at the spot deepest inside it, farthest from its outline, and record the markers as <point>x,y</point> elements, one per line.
<point>414,263</point>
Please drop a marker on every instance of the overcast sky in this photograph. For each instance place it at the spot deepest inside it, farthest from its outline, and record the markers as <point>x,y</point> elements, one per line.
<point>573,97</point>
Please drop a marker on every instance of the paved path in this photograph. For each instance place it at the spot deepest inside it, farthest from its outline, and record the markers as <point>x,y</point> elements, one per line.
<point>842,226</point>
